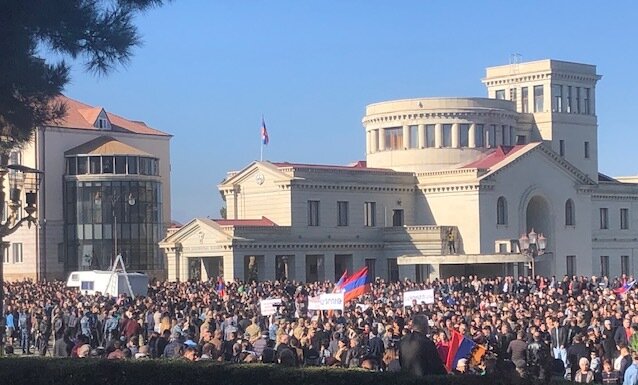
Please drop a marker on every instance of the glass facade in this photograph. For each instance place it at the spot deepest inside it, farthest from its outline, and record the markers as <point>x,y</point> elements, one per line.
<point>93,209</point>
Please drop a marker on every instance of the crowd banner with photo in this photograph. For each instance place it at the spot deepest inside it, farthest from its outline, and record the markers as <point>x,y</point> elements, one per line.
<point>420,296</point>
<point>268,306</point>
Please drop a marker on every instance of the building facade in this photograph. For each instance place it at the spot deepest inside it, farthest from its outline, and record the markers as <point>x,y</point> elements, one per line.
<point>448,187</point>
<point>105,190</point>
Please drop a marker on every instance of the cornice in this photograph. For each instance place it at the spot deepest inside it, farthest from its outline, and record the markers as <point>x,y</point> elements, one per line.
<point>340,187</point>
<point>522,78</point>
<point>466,115</point>
<point>456,188</point>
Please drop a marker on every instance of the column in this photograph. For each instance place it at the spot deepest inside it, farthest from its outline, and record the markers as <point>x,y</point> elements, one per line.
<point>375,141</point>
<point>498,132</point>
<point>266,266</point>
<point>455,135</point>
<point>329,264</point>
<point>300,267</point>
<point>381,139</point>
<point>406,136</point>
<point>438,135</point>
<point>421,141</point>
<point>472,136</point>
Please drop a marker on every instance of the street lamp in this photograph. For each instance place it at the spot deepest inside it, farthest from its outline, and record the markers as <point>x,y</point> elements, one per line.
<point>20,178</point>
<point>532,245</point>
<point>114,200</point>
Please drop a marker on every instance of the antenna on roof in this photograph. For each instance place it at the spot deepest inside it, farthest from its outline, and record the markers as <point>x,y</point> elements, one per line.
<point>515,60</point>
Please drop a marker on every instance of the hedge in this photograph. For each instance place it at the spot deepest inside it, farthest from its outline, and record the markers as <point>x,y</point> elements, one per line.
<point>43,371</point>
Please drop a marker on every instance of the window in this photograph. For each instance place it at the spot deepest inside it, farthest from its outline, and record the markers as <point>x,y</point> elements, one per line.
<point>513,95</point>
<point>586,150</point>
<point>479,135</point>
<point>86,285</point>
<point>577,100</point>
<point>414,136</point>
<point>538,98</point>
<point>313,213</point>
<point>95,165</point>
<point>71,166</point>
<point>557,98</point>
<point>525,99</point>
<point>397,217</point>
<point>569,213</point>
<point>371,265</point>
<point>624,219</point>
<point>604,218</point>
<point>83,165</point>
<point>561,147</point>
<point>571,265</point>
<point>369,214</point>
<point>490,136</point>
<point>501,211</point>
<point>17,252</point>
<point>5,257</point>
<point>342,213</point>
<point>586,109</point>
<point>604,266</point>
<point>447,135</point>
<point>464,136</point>
<point>120,165</point>
<point>430,132</point>
<point>521,139</point>
<point>500,94</point>
<point>569,99</point>
<point>393,138</point>
<point>107,165</point>
<point>132,165</point>
<point>624,265</point>
<point>393,270</point>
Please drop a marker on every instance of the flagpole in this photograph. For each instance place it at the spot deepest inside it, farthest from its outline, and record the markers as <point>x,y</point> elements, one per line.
<point>261,140</point>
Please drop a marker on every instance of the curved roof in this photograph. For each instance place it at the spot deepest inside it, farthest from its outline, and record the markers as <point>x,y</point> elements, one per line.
<point>105,145</point>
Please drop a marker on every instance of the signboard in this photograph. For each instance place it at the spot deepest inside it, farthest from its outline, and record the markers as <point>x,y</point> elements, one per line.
<point>314,303</point>
<point>420,296</point>
<point>267,306</point>
<point>332,301</point>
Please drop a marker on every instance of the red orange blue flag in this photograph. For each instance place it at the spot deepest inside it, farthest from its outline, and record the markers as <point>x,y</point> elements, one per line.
<point>264,132</point>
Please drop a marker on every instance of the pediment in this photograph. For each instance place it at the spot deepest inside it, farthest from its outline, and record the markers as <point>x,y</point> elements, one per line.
<point>197,232</point>
<point>257,172</point>
<point>526,159</point>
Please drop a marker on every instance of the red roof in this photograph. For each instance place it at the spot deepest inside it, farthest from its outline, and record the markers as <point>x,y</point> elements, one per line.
<point>83,116</point>
<point>361,165</point>
<point>245,222</point>
<point>495,157</point>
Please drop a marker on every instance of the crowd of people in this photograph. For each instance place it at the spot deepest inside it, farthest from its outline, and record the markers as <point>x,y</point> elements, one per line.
<point>575,326</point>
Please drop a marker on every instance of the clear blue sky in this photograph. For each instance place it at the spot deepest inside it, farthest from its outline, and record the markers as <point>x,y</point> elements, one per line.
<point>209,69</point>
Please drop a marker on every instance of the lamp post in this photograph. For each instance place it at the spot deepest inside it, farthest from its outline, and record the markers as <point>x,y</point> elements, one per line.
<point>532,245</point>
<point>115,199</point>
<point>20,178</point>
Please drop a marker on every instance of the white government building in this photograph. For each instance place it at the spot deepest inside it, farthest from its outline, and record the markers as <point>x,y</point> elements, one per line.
<point>478,171</point>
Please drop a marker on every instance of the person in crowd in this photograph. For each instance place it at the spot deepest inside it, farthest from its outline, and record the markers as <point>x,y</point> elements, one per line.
<point>631,374</point>
<point>417,352</point>
<point>517,350</point>
<point>609,376</point>
<point>583,375</point>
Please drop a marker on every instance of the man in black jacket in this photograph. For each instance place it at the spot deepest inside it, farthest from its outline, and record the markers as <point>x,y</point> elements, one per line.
<point>417,353</point>
<point>575,352</point>
<point>559,342</point>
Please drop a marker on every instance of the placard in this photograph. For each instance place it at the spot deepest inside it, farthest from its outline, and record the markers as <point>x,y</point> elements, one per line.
<point>267,306</point>
<point>331,301</point>
<point>314,303</point>
<point>420,296</point>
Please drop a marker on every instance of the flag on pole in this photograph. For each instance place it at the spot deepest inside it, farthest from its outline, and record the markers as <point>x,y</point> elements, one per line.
<point>625,288</point>
<point>340,282</point>
<point>264,132</point>
<point>460,347</point>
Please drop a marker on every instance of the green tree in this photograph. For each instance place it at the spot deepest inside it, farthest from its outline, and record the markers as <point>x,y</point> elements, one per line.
<point>100,32</point>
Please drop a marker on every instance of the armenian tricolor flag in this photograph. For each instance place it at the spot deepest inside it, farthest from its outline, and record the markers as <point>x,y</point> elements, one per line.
<point>463,347</point>
<point>221,287</point>
<point>264,132</point>
<point>355,285</point>
<point>625,288</point>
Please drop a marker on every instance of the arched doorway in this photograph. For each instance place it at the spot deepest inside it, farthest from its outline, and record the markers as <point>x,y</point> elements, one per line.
<point>538,216</point>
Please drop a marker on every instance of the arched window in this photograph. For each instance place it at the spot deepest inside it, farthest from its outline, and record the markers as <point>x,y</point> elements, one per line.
<point>501,211</point>
<point>570,213</point>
